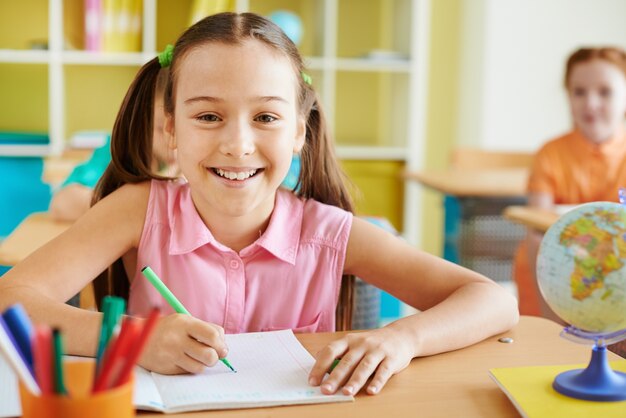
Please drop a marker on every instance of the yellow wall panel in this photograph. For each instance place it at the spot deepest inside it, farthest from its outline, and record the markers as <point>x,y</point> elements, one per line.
<point>441,110</point>
<point>32,16</point>
<point>24,104</point>
<point>380,189</point>
<point>94,95</point>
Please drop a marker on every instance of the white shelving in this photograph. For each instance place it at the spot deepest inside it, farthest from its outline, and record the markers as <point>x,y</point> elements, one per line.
<point>403,139</point>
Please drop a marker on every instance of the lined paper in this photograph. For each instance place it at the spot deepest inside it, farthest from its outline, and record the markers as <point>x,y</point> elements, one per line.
<point>272,369</point>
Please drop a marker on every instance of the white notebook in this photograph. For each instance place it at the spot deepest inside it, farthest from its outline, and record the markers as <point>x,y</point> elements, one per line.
<point>272,369</point>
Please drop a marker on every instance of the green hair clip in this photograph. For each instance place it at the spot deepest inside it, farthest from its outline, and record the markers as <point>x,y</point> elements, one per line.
<point>165,57</point>
<point>307,78</point>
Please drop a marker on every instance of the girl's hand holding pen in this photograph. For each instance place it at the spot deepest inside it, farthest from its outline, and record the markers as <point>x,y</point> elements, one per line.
<point>379,354</point>
<point>183,344</point>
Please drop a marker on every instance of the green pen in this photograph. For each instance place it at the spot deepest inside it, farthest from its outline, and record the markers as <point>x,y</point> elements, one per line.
<point>171,299</point>
<point>334,364</point>
<point>59,378</point>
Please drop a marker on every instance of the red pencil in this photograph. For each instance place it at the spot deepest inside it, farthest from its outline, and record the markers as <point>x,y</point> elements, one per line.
<point>116,352</point>
<point>41,345</point>
<point>137,348</point>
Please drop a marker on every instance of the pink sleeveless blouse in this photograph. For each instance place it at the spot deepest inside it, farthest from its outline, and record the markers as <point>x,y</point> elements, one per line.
<point>287,279</point>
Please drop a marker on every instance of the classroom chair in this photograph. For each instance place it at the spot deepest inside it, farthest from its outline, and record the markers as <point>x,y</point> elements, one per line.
<point>21,192</point>
<point>476,235</point>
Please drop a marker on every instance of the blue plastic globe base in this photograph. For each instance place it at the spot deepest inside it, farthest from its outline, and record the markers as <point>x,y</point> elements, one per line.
<point>598,382</point>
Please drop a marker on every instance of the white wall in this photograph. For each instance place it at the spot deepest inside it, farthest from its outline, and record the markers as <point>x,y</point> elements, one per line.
<point>513,57</point>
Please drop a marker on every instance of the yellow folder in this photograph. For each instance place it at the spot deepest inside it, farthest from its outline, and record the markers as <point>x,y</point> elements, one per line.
<point>530,390</point>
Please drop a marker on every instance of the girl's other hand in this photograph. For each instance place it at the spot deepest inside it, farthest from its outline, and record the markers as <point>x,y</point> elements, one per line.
<point>380,353</point>
<point>183,344</point>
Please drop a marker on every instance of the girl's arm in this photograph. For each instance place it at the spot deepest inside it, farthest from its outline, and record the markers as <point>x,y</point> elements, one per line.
<point>459,307</point>
<point>64,266</point>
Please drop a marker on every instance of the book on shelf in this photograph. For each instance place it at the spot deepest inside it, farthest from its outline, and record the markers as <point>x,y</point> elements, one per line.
<point>89,139</point>
<point>93,25</point>
<point>113,25</point>
<point>23,138</point>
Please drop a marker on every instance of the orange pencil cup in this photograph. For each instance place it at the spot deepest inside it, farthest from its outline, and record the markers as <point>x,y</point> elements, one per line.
<point>80,402</point>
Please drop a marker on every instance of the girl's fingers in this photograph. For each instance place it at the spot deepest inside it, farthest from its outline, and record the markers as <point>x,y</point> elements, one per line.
<point>366,368</point>
<point>201,353</point>
<point>383,374</point>
<point>210,335</point>
<point>342,371</point>
<point>188,364</point>
<point>324,359</point>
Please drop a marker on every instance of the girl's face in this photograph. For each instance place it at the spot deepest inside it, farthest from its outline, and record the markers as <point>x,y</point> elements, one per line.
<point>597,96</point>
<point>236,126</point>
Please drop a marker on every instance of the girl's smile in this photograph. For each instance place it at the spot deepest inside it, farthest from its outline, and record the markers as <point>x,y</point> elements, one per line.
<point>236,177</point>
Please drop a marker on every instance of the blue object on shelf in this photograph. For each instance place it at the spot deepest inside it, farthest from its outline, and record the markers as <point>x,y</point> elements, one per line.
<point>23,138</point>
<point>22,191</point>
<point>290,23</point>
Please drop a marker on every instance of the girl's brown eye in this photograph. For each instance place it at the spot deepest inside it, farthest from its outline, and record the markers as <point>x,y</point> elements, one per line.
<point>266,118</point>
<point>208,118</point>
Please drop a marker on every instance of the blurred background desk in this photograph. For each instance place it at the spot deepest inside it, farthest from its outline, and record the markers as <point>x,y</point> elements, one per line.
<point>538,219</point>
<point>33,232</point>
<point>488,183</point>
<point>476,189</point>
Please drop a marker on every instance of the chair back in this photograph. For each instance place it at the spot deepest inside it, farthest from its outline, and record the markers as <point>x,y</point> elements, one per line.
<point>22,191</point>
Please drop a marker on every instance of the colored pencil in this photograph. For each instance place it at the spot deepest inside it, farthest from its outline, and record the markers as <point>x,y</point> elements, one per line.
<point>42,358</point>
<point>137,348</point>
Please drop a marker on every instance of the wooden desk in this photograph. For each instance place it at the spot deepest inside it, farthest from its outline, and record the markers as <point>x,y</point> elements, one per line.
<point>538,219</point>
<point>480,183</point>
<point>33,232</point>
<point>446,385</point>
<point>56,169</point>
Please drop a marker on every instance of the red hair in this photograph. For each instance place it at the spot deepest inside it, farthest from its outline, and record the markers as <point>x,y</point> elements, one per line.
<point>613,55</point>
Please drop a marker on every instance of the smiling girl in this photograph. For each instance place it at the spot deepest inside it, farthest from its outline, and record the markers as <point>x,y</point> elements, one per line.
<point>241,253</point>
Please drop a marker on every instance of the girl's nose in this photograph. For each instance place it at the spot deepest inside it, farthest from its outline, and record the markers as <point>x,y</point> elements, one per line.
<point>593,101</point>
<point>238,140</point>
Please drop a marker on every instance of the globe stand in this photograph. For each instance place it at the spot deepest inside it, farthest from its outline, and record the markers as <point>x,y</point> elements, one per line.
<point>598,382</point>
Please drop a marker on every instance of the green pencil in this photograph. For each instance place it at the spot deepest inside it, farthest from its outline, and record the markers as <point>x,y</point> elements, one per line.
<point>171,299</point>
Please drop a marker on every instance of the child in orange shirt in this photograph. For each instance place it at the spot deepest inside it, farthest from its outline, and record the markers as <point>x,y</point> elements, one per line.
<point>587,164</point>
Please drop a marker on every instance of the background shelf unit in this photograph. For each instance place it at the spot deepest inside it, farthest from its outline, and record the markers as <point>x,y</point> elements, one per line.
<point>375,102</point>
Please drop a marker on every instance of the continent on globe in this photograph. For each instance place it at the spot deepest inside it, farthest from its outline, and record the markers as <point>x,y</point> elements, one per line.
<point>597,252</point>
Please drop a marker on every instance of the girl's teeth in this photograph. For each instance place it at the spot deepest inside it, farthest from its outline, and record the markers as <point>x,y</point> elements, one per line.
<point>231,175</point>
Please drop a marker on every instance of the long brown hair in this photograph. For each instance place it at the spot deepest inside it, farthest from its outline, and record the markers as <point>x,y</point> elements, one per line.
<point>613,55</point>
<point>320,175</point>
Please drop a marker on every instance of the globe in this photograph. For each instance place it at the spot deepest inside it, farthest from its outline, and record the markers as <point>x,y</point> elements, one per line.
<point>581,272</point>
<point>581,267</point>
